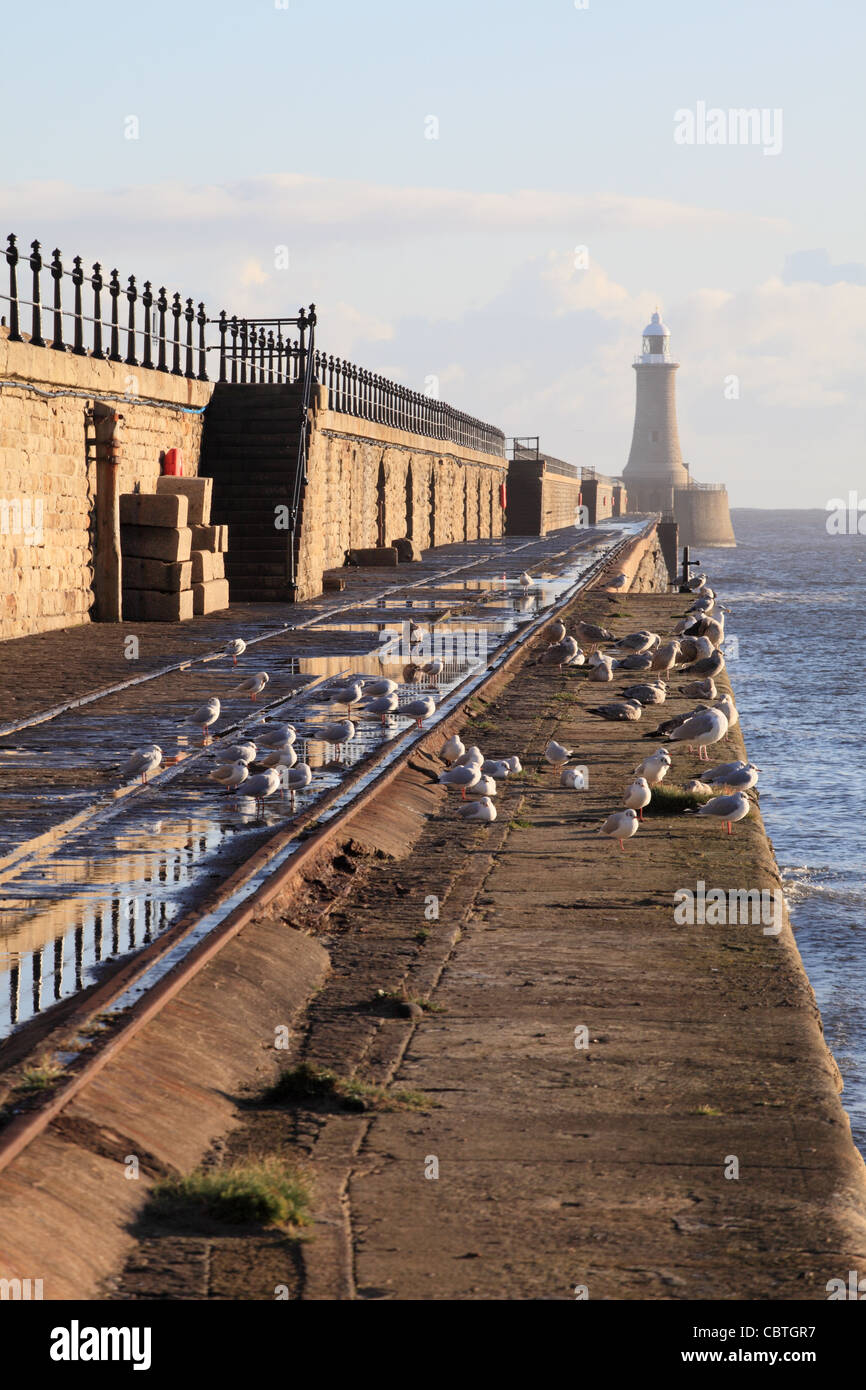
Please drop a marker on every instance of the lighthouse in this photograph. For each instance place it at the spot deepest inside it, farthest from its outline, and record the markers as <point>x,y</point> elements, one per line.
<point>655,476</point>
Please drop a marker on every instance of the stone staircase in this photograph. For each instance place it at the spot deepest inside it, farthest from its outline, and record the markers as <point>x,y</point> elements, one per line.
<point>250,449</point>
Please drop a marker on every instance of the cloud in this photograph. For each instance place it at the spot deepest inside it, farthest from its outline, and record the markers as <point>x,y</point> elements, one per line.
<point>815,267</point>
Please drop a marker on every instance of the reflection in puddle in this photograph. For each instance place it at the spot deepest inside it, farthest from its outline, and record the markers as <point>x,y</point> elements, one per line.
<point>113,873</point>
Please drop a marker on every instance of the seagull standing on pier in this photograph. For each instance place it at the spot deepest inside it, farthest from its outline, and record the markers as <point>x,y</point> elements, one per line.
<point>252,686</point>
<point>452,749</point>
<point>620,826</point>
<point>206,715</point>
<point>727,808</point>
<point>235,648</point>
<point>638,795</point>
<point>422,708</point>
<point>142,761</point>
<point>702,729</point>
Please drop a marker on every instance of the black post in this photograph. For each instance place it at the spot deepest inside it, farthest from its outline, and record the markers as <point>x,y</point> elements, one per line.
<point>270,356</point>
<point>162,306</point>
<point>252,343</point>
<point>176,311</point>
<point>243,352</point>
<point>201,320</point>
<point>223,330</point>
<point>57,273</point>
<point>97,283</point>
<point>12,259</point>
<point>132,296</point>
<point>78,319</point>
<point>234,333</point>
<point>114,291</point>
<point>147,301</point>
<point>36,338</point>
<point>189,315</point>
<point>302,340</point>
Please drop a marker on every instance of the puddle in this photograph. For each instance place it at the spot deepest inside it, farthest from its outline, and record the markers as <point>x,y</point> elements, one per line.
<point>140,860</point>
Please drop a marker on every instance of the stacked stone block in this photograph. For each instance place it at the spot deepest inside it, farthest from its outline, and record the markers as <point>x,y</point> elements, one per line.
<point>173,558</point>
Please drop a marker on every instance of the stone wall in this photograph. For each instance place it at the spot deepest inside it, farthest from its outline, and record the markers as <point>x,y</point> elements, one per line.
<point>359,471</point>
<point>48,470</point>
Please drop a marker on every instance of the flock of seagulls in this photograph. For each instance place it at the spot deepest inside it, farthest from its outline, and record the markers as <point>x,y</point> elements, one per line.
<point>475,777</point>
<point>693,649</point>
<point>267,761</point>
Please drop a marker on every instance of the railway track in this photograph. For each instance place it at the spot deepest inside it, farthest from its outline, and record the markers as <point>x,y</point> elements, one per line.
<point>103,1015</point>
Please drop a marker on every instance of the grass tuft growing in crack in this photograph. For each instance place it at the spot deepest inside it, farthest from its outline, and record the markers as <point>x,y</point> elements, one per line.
<point>309,1082</point>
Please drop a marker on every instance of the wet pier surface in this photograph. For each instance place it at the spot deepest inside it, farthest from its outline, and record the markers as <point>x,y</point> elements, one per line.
<point>93,868</point>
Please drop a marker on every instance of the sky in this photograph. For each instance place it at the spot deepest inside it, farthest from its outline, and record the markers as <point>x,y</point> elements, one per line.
<point>493,194</point>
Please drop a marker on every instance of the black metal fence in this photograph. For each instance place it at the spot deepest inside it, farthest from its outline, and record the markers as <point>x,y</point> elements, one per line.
<point>139,328</point>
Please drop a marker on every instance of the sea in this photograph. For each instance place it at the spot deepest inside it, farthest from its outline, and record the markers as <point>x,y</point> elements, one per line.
<point>797,594</point>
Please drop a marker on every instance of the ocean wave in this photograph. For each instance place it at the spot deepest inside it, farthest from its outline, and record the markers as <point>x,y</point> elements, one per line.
<point>802,883</point>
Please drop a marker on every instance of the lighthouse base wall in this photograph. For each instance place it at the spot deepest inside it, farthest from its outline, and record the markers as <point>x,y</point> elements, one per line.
<point>703,516</point>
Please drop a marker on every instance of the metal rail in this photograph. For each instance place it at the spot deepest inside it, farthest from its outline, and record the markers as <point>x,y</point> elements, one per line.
<point>180,953</point>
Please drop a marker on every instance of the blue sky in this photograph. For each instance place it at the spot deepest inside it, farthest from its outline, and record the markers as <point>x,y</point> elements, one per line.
<point>305,126</point>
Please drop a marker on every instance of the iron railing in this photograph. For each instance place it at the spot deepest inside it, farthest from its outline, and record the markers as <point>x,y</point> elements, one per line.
<point>170,334</point>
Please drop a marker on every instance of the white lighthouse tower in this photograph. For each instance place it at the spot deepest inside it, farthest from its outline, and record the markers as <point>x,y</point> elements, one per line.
<point>655,463</point>
<point>655,475</point>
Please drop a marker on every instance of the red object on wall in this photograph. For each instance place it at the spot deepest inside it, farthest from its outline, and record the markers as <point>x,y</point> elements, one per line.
<point>172,465</point>
<point>502,495</point>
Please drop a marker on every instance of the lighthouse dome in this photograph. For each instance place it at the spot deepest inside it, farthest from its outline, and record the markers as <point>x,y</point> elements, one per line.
<point>656,329</point>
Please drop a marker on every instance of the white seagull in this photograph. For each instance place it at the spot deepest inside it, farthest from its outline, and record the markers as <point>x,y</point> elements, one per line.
<point>483,811</point>
<point>142,761</point>
<point>206,715</point>
<point>252,686</point>
<point>702,729</point>
<point>235,648</point>
<point>638,795</point>
<point>620,826</point>
<point>727,808</point>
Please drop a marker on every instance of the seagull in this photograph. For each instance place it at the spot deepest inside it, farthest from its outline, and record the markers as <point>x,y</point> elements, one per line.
<point>556,631</point>
<point>514,764</point>
<point>434,668</point>
<point>347,695</point>
<point>620,826</point>
<point>664,657</point>
<point>262,784</point>
<point>684,625</point>
<point>619,581</point>
<point>556,754</point>
<point>655,768</point>
<point>296,778</point>
<point>142,761</point>
<point>462,777</point>
<point>700,690</point>
<point>275,735</point>
<point>245,751</point>
<point>704,728</point>
<point>206,715</point>
<point>452,749</point>
<point>485,786</point>
<point>235,648</point>
<point>618,709</point>
<point>638,642</point>
<point>727,808</point>
<point>639,662</point>
<point>473,757</point>
<point>377,688</point>
<point>230,775</point>
<point>337,732</point>
<point>573,777</point>
<point>593,635</point>
<point>739,776</point>
<point>422,708</point>
<point>281,757</point>
<point>252,686</point>
<point>483,811</point>
<point>698,788</point>
<point>498,768</point>
<point>648,693</point>
<point>524,580</point>
<point>560,653</point>
<point>706,666</point>
<point>383,705</point>
<point>638,795</point>
<point>602,669</point>
<point>729,709</point>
